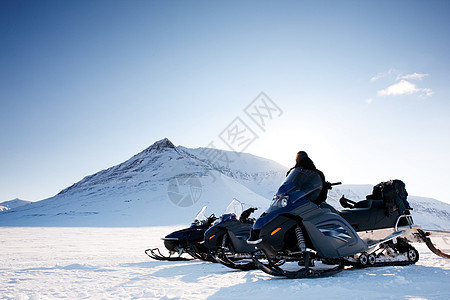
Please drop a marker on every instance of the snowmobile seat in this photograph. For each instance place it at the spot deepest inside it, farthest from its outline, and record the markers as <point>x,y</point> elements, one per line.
<point>347,203</point>
<point>364,204</point>
<point>369,215</point>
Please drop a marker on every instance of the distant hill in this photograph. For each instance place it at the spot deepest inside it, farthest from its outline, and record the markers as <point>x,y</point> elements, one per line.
<point>7,205</point>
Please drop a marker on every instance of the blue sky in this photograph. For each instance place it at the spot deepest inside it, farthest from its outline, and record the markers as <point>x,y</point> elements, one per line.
<point>362,86</point>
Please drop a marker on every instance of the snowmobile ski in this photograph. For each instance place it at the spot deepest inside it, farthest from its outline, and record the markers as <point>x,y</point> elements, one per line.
<point>307,271</point>
<point>243,262</point>
<point>156,254</point>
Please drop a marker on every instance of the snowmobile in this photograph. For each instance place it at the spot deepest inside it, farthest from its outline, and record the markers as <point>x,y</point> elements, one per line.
<point>227,238</point>
<point>187,241</point>
<point>316,240</point>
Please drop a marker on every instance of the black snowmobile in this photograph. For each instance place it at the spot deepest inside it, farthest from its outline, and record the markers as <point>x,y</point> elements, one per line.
<point>186,241</point>
<point>227,238</point>
<point>317,240</point>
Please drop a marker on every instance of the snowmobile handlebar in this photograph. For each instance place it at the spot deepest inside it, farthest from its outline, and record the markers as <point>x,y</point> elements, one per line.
<point>329,185</point>
<point>246,214</point>
<point>211,219</point>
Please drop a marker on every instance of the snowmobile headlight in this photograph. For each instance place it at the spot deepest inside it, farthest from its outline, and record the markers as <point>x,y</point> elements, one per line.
<point>274,200</point>
<point>282,201</point>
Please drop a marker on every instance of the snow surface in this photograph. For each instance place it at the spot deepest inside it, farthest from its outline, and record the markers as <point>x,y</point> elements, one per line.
<point>109,263</point>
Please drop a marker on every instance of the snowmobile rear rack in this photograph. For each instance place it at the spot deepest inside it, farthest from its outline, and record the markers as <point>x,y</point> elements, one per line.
<point>408,218</point>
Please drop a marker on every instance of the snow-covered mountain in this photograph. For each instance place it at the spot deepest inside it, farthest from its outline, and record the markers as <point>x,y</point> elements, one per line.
<point>161,185</point>
<point>7,205</point>
<point>165,185</point>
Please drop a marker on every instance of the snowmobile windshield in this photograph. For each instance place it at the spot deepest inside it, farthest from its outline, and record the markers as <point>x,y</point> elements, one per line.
<point>233,210</point>
<point>301,184</point>
<point>235,207</point>
<point>200,218</point>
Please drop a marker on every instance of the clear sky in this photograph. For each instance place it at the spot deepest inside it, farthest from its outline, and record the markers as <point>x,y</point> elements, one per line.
<point>362,86</point>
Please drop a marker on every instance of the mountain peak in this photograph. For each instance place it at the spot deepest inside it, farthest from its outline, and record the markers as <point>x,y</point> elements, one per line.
<point>160,145</point>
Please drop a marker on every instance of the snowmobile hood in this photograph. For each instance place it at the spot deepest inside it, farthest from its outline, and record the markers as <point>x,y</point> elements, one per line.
<point>227,217</point>
<point>223,221</point>
<point>300,187</point>
<point>184,233</point>
<point>268,217</point>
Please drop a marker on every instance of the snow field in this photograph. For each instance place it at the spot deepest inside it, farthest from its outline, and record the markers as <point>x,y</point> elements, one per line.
<point>109,263</point>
